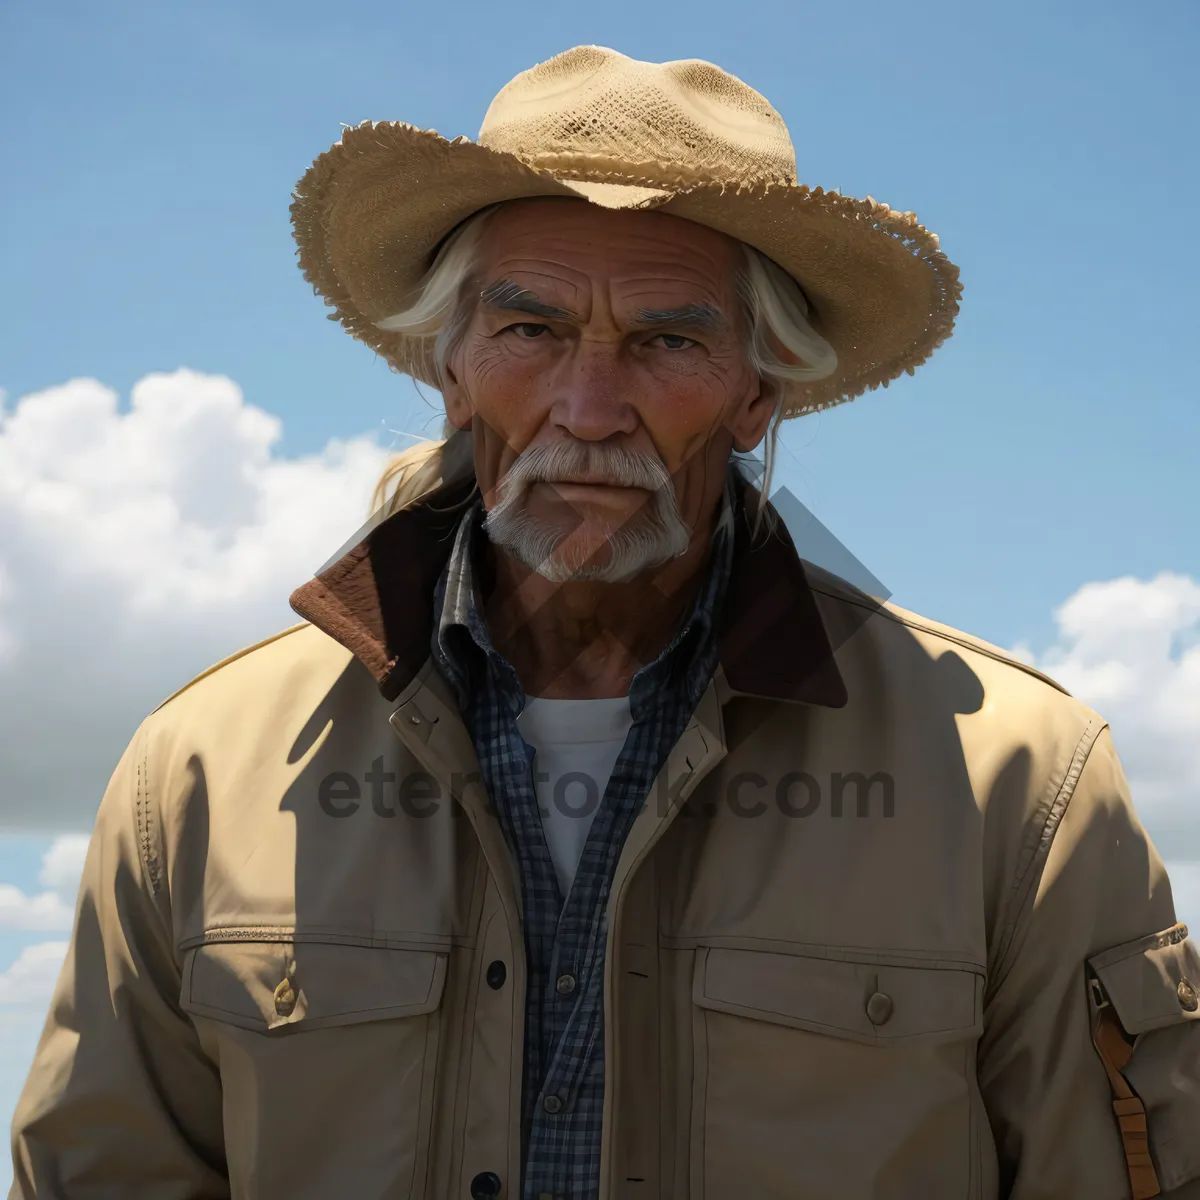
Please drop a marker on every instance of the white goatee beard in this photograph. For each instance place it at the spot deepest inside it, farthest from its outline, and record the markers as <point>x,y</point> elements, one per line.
<point>655,535</point>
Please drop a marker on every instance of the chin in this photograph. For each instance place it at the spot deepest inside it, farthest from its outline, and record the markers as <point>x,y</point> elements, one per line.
<point>587,545</point>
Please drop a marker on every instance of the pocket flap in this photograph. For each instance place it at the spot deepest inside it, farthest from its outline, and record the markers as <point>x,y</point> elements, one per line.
<point>863,1001</point>
<point>268,985</point>
<point>1152,982</point>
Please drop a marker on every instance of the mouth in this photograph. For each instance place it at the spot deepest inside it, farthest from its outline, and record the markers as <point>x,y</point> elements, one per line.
<point>583,487</point>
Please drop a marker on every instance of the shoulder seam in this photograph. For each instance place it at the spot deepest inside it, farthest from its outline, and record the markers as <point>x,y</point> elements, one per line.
<point>959,639</point>
<point>149,833</point>
<point>229,659</point>
<point>1036,849</point>
<point>143,815</point>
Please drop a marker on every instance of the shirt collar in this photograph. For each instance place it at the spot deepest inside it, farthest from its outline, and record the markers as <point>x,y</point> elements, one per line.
<point>461,644</point>
<point>376,595</point>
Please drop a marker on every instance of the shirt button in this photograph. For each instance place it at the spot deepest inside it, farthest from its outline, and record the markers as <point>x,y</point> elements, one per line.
<point>879,1008</point>
<point>485,1185</point>
<point>497,973</point>
<point>285,998</point>
<point>552,1104</point>
<point>1187,996</point>
<point>565,985</point>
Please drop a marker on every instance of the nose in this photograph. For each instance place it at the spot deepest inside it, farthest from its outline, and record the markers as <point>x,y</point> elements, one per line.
<point>592,399</point>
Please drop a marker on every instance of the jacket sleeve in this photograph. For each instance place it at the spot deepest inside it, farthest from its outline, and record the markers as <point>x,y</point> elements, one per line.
<point>121,1100</point>
<point>1094,956</point>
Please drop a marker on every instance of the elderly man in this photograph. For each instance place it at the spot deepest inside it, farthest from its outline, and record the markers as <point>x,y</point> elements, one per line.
<point>584,841</point>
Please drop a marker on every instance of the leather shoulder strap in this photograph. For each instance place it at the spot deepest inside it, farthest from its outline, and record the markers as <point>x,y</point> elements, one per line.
<point>1115,1052</point>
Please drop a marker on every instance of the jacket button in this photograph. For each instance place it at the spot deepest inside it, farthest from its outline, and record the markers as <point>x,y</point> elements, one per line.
<point>879,1008</point>
<point>552,1104</point>
<point>485,1185</point>
<point>285,998</point>
<point>497,973</point>
<point>565,985</point>
<point>1187,996</point>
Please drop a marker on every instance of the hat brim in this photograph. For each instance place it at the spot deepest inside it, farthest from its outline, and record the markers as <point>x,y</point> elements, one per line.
<point>370,212</point>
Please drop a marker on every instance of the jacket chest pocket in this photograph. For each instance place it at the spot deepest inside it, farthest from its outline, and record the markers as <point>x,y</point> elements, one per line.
<point>831,1079</point>
<point>327,1055</point>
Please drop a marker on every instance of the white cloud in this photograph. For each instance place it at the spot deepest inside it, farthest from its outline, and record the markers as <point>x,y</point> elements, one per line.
<point>32,977</point>
<point>62,864</point>
<point>53,909</point>
<point>1130,648</point>
<point>7,641</point>
<point>43,911</point>
<point>137,548</point>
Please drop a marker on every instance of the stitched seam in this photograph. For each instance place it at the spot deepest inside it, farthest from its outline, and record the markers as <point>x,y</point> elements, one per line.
<point>697,1140</point>
<point>1142,945</point>
<point>1023,891</point>
<point>427,1104</point>
<point>204,1007</point>
<point>900,957</point>
<point>469,1037</point>
<point>145,819</point>
<point>974,1130</point>
<point>733,1008</point>
<point>322,934</point>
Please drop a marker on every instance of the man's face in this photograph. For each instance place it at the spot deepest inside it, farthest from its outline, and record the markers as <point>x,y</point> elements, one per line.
<point>618,332</point>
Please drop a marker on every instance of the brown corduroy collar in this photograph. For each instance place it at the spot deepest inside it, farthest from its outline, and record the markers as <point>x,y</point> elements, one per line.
<point>376,599</point>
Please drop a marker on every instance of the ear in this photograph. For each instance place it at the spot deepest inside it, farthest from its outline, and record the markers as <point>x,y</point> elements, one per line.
<point>454,396</point>
<point>752,417</point>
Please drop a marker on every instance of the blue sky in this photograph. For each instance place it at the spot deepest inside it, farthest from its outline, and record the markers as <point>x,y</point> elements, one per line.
<point>1049,448</point>
<point>1051,440</point>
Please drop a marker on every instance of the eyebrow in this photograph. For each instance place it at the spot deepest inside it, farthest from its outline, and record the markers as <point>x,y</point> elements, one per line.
<point>508,295</point>
<point>690,316</point>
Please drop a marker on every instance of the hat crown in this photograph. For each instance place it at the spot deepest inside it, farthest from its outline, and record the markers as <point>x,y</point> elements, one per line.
<point>596,112</point>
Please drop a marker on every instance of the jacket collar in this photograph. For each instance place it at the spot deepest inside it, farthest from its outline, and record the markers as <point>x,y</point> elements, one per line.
<point>377,599</point>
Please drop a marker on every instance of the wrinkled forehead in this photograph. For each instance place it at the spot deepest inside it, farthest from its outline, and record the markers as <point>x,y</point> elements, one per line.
<point>577,242</point>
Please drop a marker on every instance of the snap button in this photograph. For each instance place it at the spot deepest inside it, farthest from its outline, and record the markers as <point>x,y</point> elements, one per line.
<point>1187,996</point>
<point>485,1185</point>
<point>414,719</point>
<point>497,973</point>
<point>285,998</point>
<point>879,1008</point>
<point>565,985</point>
<point>552,1104</point>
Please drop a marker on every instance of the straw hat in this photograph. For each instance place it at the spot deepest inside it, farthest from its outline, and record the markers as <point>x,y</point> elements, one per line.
<point>682,137</point>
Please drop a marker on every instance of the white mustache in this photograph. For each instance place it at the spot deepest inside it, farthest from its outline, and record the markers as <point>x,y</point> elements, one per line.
<point>583,462</point>
<point>650,540</point>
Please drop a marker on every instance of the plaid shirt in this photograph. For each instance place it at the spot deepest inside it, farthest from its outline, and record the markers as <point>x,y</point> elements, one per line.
<point>563,1093</point>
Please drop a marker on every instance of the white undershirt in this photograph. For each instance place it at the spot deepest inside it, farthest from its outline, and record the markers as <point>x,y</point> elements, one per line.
<point>576,744</point>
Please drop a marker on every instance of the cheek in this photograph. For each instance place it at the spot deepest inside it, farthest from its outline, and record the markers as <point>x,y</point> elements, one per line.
<point>508,399</point>
<point>505,390</point>
<point>686,409</point>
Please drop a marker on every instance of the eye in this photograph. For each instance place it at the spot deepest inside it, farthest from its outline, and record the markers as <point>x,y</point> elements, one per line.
<point>527,329</point>
<point>673,341</point>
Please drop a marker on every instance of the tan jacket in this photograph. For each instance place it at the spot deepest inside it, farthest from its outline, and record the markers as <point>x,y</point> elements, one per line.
<point>858,939</point>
